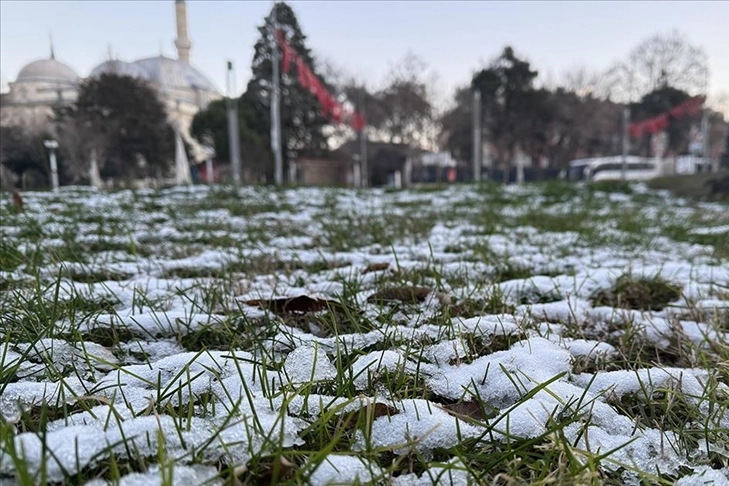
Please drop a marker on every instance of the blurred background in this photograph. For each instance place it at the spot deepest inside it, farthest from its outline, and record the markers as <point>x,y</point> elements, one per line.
<point>143,94</point>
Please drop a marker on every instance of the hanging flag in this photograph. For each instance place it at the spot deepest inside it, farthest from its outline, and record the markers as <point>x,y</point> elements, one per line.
<point>330,107</point>
<point>658,123</point>
<point>337,110</point>
<point>678,111</point>
<point>661,122</point>
<point>636,130</point>
<point>327,103</point>
<point>286,51</point>
<point>358,122</point>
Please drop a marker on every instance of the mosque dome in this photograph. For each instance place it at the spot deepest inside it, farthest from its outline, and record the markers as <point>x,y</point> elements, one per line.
<point>48,70</point>
<point>118,67</point>
<point>174,74</point>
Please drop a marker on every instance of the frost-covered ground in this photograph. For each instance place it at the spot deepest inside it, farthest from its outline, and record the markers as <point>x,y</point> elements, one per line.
<point>471,335</point>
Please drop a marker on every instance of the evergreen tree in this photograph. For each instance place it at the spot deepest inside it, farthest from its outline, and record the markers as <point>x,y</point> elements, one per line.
<point>655,103</point>
<point>22,151</point>
<point>511,105</point>
<point>405,102</point>
<point>212,122</point>
<point>301,119</point>
<point>125,120</point>
<point>457,126</point>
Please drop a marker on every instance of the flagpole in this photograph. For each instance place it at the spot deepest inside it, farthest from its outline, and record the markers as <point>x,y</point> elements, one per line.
<point>275,107</point>
<point>364,165</point>
<point>626,143</point>
<point>705,137</point>
<point>477,145</point>
<point>233,128</point>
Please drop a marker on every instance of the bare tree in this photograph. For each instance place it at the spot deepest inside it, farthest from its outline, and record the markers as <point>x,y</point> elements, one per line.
<point>661,60</point>
<point>402,110</point>
<point>581,81</point>
<point>79,137</point>
<point>407,101</point>
<point>720,102</point>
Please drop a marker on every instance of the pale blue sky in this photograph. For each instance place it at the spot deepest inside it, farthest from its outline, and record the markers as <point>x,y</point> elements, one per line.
<point>363,37</point>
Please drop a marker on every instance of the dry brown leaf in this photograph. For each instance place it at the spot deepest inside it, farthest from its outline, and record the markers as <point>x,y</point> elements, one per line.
<point>470,410</point>
<point>285,471</point>
<point>18,201</point>
<point>270,471</point>
<point>375,267</point>
<point>408,295</point>
<point>302,303</point>
<point>373,411</point>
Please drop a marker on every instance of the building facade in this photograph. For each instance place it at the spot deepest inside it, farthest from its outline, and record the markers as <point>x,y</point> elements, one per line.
<point>43,84</point>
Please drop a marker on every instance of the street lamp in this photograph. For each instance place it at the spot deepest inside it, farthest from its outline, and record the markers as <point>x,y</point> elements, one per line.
<point>209,152</point>
<point>52,145</point>
<point>357,171</point>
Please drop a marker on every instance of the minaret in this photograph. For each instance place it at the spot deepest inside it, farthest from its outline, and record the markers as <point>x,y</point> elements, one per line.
<point>182,42</point>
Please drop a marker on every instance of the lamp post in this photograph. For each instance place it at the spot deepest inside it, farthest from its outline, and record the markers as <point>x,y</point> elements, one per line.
<point>356,171</point>
<point>276,106</point>
<point>231,108</point>
<point>52,145</point>
<point>626,143</point>
<point>477,136</point>
<point>209,171</point>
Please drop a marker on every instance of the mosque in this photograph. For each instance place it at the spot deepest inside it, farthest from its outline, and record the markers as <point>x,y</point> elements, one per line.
<point>45,83</point>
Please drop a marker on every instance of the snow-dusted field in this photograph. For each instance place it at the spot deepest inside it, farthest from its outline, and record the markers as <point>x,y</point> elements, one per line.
<point>471,335</point>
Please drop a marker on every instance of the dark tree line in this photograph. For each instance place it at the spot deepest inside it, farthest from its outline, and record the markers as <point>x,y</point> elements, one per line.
<point>557,125</point>
<point>399,112</point>
<point>520,116</point>
<point>119,120</point>
<point>122,121</point>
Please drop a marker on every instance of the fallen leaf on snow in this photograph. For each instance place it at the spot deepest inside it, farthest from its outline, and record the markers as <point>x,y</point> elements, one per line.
<point>302,303</point>
<point>376,267</point>
<point>470,410</point>
<point>408,295</point>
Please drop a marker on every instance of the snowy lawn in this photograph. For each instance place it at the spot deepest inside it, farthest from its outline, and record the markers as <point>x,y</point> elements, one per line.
<point>551,333</point>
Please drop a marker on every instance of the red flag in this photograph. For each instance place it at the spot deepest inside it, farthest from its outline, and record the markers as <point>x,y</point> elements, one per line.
<point>315,86</point>
<point>636,129</point>
<point>280,37</point>
<point>308,81</point>
<point>287,52</point>
<point>652,125</point>
<point>661,122</point>
<point>327,103</point>
<point>691,106</point>
<point>358,122</point>
<point>694,104</point>
<point>337,110</point>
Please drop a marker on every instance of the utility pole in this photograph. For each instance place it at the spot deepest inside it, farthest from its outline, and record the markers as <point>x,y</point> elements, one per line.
<point>52,146</point>
<point>626,143</point>
<point>477,136</point>
<point>364,166</point>
<point>233,130</point>
<point>705,137</point>
<point>275,106</point>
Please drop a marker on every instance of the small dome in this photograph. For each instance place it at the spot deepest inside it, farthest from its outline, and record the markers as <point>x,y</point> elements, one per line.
<point>48,70</point>
<point>173,73</point>
<point>118,67</point>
